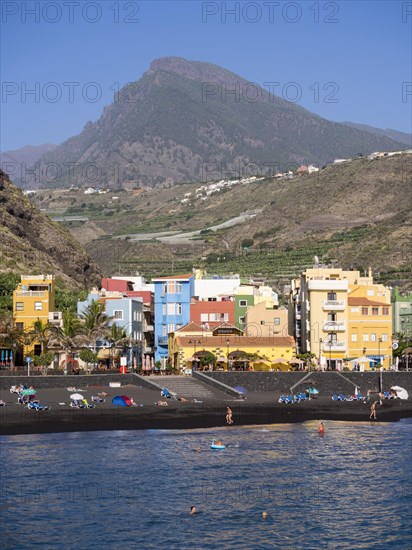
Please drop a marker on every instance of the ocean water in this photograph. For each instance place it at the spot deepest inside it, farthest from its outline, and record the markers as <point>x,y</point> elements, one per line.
<point>351,488</point>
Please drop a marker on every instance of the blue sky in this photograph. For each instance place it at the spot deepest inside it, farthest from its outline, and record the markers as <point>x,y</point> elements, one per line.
<point>345,60</point>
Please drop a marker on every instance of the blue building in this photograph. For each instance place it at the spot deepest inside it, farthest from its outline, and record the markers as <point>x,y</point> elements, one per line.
<point>172,309</point>
<point>126,313</point>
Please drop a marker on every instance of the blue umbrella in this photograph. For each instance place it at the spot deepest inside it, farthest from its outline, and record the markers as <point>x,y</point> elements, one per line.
<point>312,391</point>
<point>2,354</point>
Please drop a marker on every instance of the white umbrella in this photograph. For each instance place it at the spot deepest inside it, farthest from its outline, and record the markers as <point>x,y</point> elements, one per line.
<point>76,396</point>
<point>363,359</point>
<point>400,392</point>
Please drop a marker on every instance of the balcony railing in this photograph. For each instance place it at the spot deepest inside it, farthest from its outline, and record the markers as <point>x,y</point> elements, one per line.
<point>163,340</point>
<point>329,326</point>
<point>148,349</point>
<point>31,293</point>
<point>334,304</point>
<point>334,346</point>
<point>148,328</point>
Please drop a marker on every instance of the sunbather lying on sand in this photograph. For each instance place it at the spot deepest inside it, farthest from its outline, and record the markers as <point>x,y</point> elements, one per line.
<point>162,403</point>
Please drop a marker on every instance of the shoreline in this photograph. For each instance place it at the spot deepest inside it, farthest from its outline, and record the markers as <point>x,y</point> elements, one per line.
<point>181,416</point>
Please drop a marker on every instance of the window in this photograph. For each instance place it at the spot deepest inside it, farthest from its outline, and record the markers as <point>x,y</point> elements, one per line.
<point>19,306</point>
<point>20,327</point>
<point>164,330</point>
<point>331,296</point>
<point>164,309</point>
<point>365,311</point>
<point>173,287</point>
<point>38,306</point>
<point>354,309</point>
<point>204,317</point>
<point>178,309</point>
<point>375,311</point>
<point>373,337</point>
<point>242,320</point>
<point>242,303</point>
<point>118,314</point>
<point>276,321</point>
<point>170,328</point>
<point>164,288</point>
<point>332,317</point>
<point>171,309</point>
<point>371,293</point>
<point>354,337</point>
<point>385,311</point>
<point>384,337</point>
<point>225,317</point>
<point>365,338</point>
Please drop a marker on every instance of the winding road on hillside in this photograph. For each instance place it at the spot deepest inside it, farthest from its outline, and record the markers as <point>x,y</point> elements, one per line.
<point>173,237</point>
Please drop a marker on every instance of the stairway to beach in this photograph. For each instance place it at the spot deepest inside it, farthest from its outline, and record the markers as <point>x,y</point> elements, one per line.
<point>185,386</point>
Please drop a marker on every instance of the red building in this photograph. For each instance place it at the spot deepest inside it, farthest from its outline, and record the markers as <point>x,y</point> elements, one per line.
<point>204,312</point>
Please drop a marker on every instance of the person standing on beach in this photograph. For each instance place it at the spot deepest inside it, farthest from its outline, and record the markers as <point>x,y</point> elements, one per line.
<point>373,410</point>
<point>229,415</point>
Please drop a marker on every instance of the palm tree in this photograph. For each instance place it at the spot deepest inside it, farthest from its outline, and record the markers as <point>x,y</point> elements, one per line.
<point>95,322</point>
<point>68,337</point>
<point>40,333</point>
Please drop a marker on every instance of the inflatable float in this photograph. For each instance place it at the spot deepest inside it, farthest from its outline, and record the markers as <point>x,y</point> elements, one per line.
<point>217,445</point>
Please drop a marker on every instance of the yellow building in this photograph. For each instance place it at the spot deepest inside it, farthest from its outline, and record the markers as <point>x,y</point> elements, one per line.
<point>266,319</point>
<point>34,298</point>
<point>328,323</point>
<point>370,325</point>
<point>231,347</point>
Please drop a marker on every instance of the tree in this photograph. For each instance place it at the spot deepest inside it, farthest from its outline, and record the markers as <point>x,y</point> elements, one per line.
<point>44,359</point>
<point>40,333</point>
<point>207,358</point>
<point>8,283</point>
<point>96,322</point>
<point>88,356</point>
<point>69,337</point>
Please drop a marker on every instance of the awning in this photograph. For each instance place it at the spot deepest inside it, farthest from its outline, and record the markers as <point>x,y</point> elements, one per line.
<point>107,353</point>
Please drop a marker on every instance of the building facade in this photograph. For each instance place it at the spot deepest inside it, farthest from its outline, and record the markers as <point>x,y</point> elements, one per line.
<point>402,312</point>
<point>328,319</point>
<point>33,299</point>
<point>172,299</point>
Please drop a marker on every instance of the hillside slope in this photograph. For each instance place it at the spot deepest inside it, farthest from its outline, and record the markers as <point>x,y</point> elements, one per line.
<point>354,214</point>
<point>178,124</point>
<point>32,243</point>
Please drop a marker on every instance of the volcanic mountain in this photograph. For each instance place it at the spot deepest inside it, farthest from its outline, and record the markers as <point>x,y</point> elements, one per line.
<point>189,121</point>
<point>32,243</point>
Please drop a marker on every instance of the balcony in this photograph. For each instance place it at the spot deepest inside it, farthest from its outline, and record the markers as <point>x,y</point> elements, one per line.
<point>163,340</point>
<point>334,346</point>
<point>328,284</point>
<point>31,293</point>
<point>334,326</point>
<point>335,305</point>
<point>148,328</point>
<point>148,349</point>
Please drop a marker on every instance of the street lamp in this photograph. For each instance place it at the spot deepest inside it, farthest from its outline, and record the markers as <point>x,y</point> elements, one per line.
<point>320,352</point>
<point>379,351</point>
<point>331,336</point>
<point>194,342</point>
<point>227,353</point>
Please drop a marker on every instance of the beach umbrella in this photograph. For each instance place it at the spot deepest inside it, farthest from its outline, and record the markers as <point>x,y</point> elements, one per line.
<point>296,361</point>
<point>76,396</point>
<point>29,391</point>
<point>363,359</point>
<point>312,391</point>
<point>2,354</point>
<point>240,389</point>
<point>400,392</point>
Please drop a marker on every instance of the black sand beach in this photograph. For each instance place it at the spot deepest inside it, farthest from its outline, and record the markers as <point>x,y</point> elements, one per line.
<point>258,408</point>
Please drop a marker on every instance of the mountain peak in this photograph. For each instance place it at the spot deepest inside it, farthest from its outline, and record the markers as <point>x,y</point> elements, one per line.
<point>197,70</point>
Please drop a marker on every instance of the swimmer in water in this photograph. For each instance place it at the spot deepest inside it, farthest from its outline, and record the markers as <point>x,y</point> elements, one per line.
<point>321,428</point>
<point>193,510</point>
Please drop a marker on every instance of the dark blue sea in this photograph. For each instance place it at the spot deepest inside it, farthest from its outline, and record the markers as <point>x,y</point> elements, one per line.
<point>351,488</point>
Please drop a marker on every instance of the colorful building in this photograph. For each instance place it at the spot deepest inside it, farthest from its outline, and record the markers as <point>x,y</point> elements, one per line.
<point>232,349</point>
<point>172,300</point>
<point>402,312</point>
<point>33,299</point>
<point>266,319</point>
<point>330,321</point>
<point>211,312</point>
